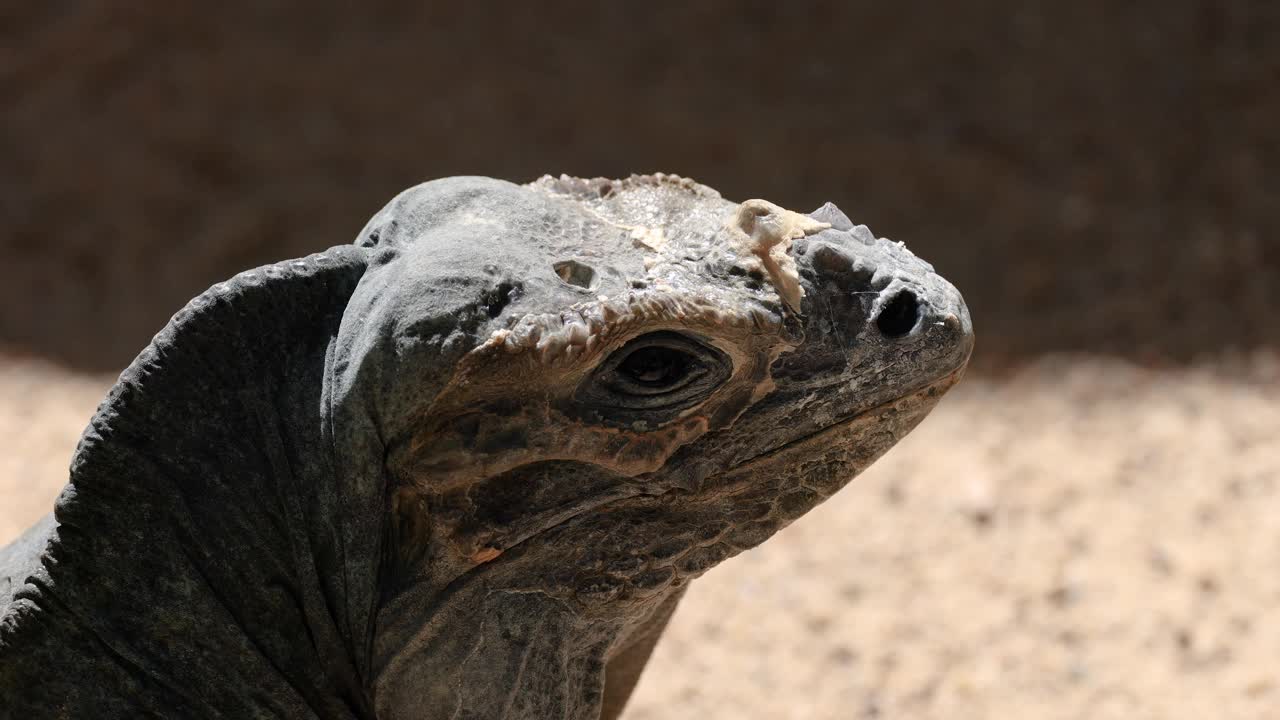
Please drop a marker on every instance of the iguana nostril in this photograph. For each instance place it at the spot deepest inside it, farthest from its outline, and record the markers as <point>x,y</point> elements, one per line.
<point>900,315</point>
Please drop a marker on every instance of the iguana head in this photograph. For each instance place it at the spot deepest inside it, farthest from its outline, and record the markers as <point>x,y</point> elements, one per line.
<point>466,467</point>
<point>587,393</point>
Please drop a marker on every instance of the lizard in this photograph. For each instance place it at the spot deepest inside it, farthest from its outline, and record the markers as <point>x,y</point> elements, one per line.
<point>466,466</point>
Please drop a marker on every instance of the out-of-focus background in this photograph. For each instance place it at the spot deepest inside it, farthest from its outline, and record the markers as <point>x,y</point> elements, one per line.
<point>1088,527</point>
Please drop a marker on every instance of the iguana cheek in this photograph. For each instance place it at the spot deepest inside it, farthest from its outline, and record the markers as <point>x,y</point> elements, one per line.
<point>457,453</point>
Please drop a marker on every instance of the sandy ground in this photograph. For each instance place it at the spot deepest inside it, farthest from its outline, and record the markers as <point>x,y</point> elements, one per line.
<point>1083,539</point>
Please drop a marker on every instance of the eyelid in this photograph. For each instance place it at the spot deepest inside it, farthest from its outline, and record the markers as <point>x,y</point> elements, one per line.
<point>609,396</point>
<point>696,369</point>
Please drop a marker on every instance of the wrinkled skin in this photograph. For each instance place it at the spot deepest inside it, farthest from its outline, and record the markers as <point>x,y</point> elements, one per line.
<point>514,423</point>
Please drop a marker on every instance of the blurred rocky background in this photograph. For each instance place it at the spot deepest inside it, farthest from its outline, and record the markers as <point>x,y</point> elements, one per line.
<point>1086,528</point>
<point>1095,176</point>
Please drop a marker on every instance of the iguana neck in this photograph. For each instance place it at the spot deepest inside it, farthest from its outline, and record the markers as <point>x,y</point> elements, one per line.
<point>203,500</point>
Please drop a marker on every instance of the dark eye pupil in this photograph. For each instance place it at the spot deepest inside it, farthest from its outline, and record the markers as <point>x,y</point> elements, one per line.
<point>655,365</point>
<point>654,378</point>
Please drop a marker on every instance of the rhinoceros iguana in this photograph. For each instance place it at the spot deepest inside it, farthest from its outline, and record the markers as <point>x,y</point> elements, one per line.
<point>466,466</point>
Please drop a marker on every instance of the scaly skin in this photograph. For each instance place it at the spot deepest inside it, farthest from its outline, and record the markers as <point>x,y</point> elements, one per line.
<point>466,467</point>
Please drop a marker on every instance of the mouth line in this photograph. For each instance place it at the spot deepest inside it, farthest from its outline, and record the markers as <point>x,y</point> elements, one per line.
<point>942,384</point>
<point>503,548</point>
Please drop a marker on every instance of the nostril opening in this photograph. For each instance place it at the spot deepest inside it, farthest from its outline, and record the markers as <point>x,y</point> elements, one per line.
<point>900,315</point>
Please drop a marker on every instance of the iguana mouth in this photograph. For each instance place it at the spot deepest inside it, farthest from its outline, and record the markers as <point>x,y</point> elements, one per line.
<point>907,402</point>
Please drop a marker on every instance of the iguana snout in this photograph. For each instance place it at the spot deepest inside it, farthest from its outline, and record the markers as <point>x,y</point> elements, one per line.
<point>878,323</point>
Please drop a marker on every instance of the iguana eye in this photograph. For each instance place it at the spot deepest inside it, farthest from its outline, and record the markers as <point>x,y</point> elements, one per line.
<point>658,368</point>
<point>658,371</point>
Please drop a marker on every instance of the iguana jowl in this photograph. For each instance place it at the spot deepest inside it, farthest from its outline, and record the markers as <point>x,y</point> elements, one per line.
<point>466,466</point>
